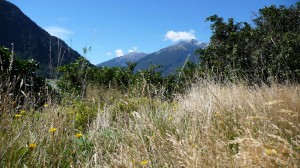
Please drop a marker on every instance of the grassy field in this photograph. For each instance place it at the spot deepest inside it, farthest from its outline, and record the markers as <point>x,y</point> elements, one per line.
<point>212,125</point>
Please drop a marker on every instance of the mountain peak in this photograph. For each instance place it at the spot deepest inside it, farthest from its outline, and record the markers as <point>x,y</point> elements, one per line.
<point>191,42</point>
<point>132,54</point>
<point>121,61</point>
<point>172,57</point>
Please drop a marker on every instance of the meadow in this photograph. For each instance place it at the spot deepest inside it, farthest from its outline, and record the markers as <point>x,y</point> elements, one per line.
<point>211,125</point>
<point>239,107</point>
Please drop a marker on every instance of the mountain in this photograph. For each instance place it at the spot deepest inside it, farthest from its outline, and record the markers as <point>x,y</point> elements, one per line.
<point>121,61</point>
<point>30,41</point>
<point>172,57</point>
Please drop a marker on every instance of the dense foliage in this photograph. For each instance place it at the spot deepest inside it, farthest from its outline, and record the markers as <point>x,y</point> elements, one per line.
<point>19,81</point>
<point>78,75</point>
<point>267,51</point>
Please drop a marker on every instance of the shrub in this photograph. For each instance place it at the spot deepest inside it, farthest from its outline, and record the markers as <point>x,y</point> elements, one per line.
<point>19,82</point>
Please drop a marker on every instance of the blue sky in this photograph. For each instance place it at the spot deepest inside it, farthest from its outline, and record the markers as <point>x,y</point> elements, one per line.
<point>115,27</point>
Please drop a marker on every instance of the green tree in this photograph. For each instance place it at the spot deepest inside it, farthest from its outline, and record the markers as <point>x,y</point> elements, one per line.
<point>268,51</point>
<point>278,38</point>
<point>74,77</point>
<point>18,79</point>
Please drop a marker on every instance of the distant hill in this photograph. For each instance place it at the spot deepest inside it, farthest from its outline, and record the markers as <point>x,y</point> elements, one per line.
<point>172,57</point>
<point>121,61</point>
<point>31,41</point>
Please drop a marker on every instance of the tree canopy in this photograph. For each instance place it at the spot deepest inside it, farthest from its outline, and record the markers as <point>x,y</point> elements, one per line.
<point>268,50</point>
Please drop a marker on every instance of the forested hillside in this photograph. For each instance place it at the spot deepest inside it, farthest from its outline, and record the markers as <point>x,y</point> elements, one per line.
<point>30,41</point>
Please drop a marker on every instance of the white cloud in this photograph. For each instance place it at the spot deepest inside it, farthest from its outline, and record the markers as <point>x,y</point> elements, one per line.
<point>180,35</point>
<point>109,54</point>
<point>59,32</point>
<point>119,52</point>
<point>133,49</point>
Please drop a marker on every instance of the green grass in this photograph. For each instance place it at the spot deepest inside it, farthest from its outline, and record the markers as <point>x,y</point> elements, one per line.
<point>212,125</point>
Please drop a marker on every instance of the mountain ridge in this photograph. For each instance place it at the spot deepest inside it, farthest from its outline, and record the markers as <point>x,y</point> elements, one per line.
<point>171,57</point>
<point>122,60</point>
<point>30,41</point>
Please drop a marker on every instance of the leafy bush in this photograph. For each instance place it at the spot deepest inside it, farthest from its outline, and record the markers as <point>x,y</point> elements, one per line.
<point>78,75</point>
<point>262,53</point>
<point>83,114</point>
<point>75,76</point>
<point>19,82</point>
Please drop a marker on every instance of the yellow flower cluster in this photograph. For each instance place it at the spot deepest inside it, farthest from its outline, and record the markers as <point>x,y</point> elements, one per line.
<point>18,115</point>
<point>144,162</point>
<point>22,111</point>
<point>78,135</point>
<point>32,146</point>
<point>52,130</point>
<point>270,151</point>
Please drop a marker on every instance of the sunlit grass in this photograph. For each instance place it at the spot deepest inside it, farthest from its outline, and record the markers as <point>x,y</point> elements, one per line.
<point>212,125</point>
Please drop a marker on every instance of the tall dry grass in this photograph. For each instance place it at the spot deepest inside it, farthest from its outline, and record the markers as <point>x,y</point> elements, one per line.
<point>213,125</point>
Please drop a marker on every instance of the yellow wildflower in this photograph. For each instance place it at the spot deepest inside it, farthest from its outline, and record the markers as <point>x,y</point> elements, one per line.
<point>144,162</point>
<point>270,151</point>
<point>22,111</point>
<point>18,115</point>
<point>46,105</point>
<point>78,135</point>
<point>32,146</point>
<point>52,130</point>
